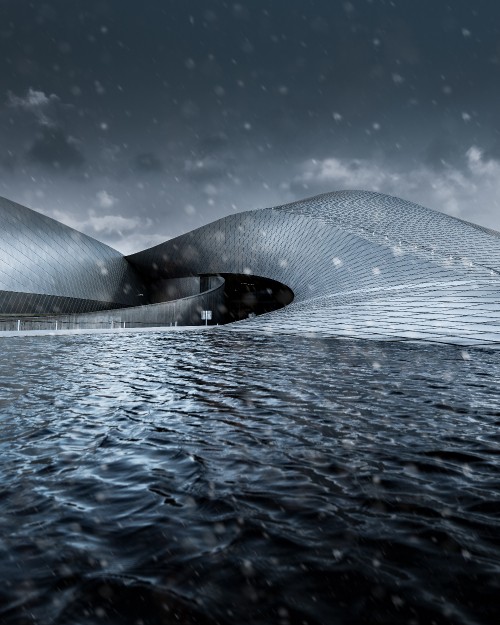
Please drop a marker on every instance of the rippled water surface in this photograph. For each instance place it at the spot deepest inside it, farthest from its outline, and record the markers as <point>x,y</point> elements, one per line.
<point>186,477</point>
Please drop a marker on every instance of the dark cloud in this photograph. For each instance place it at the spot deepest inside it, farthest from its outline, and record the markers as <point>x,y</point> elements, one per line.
<point>148,162</point>
<point>206,170</point>
<point>9,161</point>
<point>214,143</point>
<point>43,107</point>
<point>493,149</point>
<point>52,148</point>
<point>443,150</point>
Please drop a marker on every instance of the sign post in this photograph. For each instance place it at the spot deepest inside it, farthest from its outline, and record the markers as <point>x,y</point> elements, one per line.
<point>206,315</point>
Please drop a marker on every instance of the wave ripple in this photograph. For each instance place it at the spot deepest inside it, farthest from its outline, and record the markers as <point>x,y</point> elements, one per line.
<point>220,478</point>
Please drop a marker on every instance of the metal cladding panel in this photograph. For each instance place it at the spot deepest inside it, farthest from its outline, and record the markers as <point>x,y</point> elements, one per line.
<point>39,255</point>
<point>360,264</point>
<point>183,312</point>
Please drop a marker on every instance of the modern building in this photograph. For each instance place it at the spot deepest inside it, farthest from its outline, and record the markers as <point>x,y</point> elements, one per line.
<point>344,264</point>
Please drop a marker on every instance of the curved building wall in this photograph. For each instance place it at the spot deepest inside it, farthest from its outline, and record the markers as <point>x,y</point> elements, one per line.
<point>47,267</point>
<point>305,247</point>
<point>185,311</point>
<point>359,264</point>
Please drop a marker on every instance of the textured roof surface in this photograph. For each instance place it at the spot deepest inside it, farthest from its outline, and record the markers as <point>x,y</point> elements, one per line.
<point>359,263</point>
<point>40,256</point>
<point>375,214</point>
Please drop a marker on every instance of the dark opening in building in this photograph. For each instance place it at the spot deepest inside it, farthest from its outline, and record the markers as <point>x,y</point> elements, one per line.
<point>246,296</point>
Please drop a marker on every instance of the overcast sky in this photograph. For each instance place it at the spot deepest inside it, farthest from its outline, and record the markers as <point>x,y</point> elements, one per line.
<point>137,121</point>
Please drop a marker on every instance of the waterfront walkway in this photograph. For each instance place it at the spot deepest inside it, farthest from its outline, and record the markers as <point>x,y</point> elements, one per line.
<point>53,332</point>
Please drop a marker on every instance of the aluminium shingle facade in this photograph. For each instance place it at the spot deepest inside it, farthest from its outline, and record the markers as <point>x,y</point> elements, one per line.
<point>47,267</point>
<point>359,264</point>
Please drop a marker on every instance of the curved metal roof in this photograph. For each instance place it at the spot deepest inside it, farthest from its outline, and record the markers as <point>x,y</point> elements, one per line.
<point>39,255</point>
<point>359,264</point>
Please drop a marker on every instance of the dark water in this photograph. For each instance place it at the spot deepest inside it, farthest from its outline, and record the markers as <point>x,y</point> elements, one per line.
<point>213,478</point>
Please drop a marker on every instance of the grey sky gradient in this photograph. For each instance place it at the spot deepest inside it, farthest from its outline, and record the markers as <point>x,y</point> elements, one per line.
<point>137,121</point>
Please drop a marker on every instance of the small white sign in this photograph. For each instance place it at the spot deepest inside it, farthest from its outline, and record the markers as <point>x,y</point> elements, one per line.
<point>206,315</point>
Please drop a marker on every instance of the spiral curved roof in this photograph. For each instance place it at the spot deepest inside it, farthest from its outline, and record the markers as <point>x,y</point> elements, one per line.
<point>46,266</point>
<point>360,264</point>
